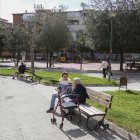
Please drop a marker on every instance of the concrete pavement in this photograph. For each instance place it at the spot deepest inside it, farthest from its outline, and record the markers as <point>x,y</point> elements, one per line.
<point>133,82</point>
<point>23,115</point>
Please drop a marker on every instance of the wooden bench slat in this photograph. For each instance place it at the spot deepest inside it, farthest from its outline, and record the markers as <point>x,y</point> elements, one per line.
<point>91,111</point>
<point>100,101</point>
<point>86,111</point>
<point>100,94</point>
<point>100,98</point>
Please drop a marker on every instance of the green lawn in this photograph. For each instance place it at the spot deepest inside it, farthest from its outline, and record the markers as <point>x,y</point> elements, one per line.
<point>7,72</point>
<point>51,77</point>
<point>125,111</point>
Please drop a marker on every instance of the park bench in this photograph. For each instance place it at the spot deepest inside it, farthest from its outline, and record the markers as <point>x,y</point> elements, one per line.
<point>90,112</point>
<point>28,73</point>
<point>137,66</point>
<point>27,76</point>
<point>129,66</point>
<point>123,81</point>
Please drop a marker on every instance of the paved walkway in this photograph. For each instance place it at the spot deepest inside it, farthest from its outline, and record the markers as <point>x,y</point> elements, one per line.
<point>133,82</point>
<point>23,116</point>
<point>68,66</point>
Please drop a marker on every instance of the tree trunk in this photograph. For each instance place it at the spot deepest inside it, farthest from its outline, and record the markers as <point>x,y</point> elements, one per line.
<point>51,55</point>
<point>18,58</point>
<point>92,56</point>
<point>47,59</point>
<point>121,60</point>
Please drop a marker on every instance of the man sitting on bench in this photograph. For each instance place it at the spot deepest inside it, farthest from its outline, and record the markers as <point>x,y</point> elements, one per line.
<point>80,90</point>
<point>21,69</point>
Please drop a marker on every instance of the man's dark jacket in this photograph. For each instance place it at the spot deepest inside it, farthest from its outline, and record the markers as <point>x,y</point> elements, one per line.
<point>82,92</point>
<point>22,68</point>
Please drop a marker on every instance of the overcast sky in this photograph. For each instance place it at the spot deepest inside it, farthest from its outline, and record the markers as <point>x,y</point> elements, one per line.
<point>8,7</point>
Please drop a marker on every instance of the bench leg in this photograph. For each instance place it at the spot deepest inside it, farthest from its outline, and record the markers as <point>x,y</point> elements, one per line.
<point>32,79</point>
<point>16,75</point>
<point>101,123</point>
<point>87,124</point>
<point>26,78</point>
<point>21,77</point>
<point>98,125</point>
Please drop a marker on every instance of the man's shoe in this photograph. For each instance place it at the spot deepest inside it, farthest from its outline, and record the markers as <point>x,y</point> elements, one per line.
<point>50,110</point>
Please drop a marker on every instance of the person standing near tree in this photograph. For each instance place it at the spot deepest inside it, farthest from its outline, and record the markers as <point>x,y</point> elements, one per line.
<point>104,66</point>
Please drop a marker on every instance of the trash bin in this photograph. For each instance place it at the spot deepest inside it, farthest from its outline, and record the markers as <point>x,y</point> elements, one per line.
<point>123,81</point>
<point>63,59</point>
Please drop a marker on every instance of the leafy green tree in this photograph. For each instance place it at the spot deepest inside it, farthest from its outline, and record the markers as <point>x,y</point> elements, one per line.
<point>54,35</point>
<point>17,41</point>
<point>126,26</point>
<point>82,42</point>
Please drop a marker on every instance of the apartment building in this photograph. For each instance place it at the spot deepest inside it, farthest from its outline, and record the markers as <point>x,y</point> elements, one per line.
<point>74,19</point>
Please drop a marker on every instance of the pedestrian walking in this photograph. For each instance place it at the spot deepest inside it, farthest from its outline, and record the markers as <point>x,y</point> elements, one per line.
<point>104,66</point>
<point>52,61</point>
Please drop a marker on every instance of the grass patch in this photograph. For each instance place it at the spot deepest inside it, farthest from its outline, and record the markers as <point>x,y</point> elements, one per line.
<point>52,77</point>
<point>125,111</point>
<point>7,72</point>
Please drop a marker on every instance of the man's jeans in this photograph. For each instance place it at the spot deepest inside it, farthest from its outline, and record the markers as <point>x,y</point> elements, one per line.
<point>54,96</point>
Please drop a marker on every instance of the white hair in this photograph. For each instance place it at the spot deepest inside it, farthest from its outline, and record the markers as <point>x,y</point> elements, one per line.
<point>77,80</point>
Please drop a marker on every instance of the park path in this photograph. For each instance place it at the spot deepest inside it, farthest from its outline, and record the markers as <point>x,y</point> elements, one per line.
<point>66,66</point>
<point>133,82</point>
<point>23,115</point>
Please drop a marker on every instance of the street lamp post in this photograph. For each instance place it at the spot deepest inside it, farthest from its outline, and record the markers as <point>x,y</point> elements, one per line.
<point>112,15</point>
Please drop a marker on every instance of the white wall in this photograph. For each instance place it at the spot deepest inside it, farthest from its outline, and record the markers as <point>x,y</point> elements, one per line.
<point>28,16</point>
